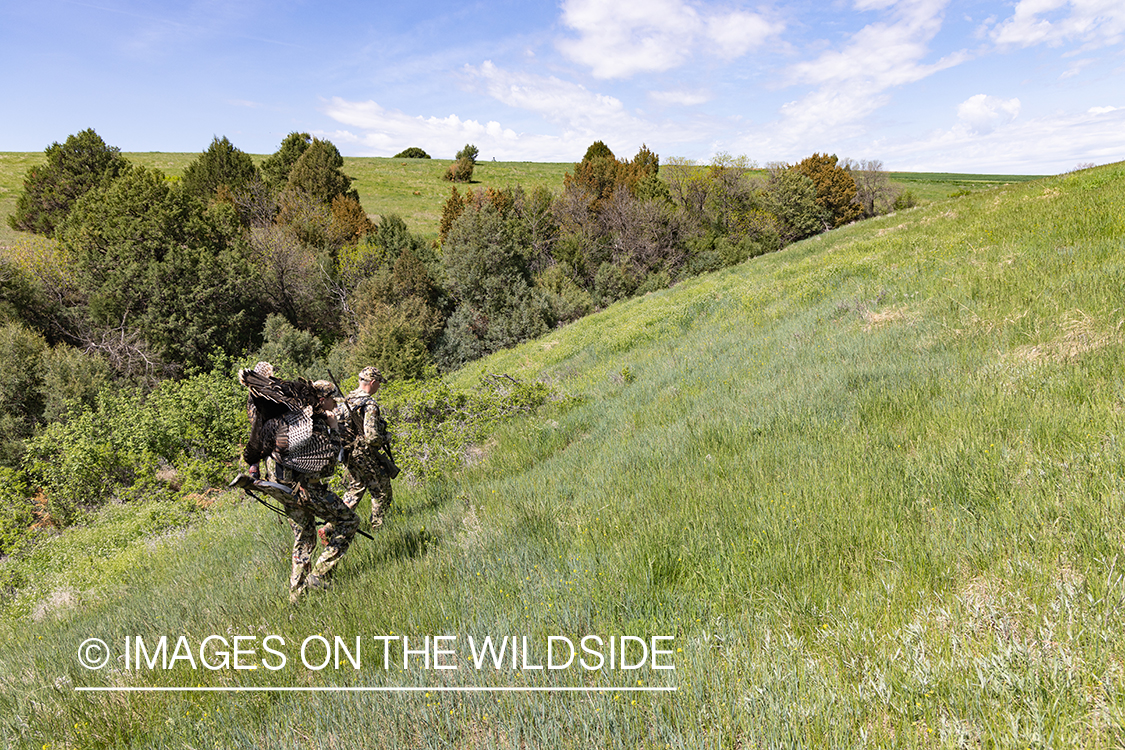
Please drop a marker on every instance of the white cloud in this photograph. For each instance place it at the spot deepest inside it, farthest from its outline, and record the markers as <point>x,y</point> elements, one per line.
<point>983,113</point>
<point>852,82</point>
<point>619,40</point>
<point>680,98</point>
<point>385,132</point>
<point>557,100</point>
<point>581,112</point>
<point>1044,145</point>
<point>581,115</point>
<point>1095,23</point>
<point>1076,67</point>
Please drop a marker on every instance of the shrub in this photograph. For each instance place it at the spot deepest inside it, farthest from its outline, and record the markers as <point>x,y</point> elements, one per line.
<point>396,339</point>
<point>71,379</point>
<point>568,300</point>
<point>835,188</point>
<point>460,170</point>
<point>319,173</point>
<point>412,153</point>
<point>285,343</point>
<point>16,510</point>
<point>469,152</point>
<point>486,263</point>
<point>21,398</point>
<point>904,200</point>
<point>276,168</point>
<point>188,429</point>
<point>612,283</point>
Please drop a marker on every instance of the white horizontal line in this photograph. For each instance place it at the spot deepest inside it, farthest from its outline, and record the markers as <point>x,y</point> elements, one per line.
<point>443,689</point>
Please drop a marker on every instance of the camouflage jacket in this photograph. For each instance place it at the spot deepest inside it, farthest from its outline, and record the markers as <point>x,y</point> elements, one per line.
<point>361,410</point>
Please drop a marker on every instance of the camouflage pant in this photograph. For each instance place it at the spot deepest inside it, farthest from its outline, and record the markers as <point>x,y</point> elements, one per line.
<point>314,500</point>
<point>365,474</point>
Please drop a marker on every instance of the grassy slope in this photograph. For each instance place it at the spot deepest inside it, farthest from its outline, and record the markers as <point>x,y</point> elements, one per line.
<point>873,485</point>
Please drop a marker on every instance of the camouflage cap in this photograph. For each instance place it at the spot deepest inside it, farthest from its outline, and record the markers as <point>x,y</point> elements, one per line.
<point>371,374</point>
<point>325,388</point>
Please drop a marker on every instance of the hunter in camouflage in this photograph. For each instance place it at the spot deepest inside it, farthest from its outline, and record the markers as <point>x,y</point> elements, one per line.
<point>295,423</point>
<point>367,456</point>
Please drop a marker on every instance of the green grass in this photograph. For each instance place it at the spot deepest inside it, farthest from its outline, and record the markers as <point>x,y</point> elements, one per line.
<point>872,484</point>
<point>931,186</point>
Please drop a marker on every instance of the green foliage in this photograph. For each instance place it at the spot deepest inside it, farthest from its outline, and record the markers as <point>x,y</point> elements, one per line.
<point>73,168</point>
<point>220,166</point>
<point>283,343</point>
<point>412,153</point>
<point>71,379</point>
<point>598,150</point>
<point>436,426</point>
<point>486,259</point>
<point>460,170</point>
<point>276,167</point>
<point>150,259</point>
<point>568,300</point>
<point>16,511</point>
<point>904,200</point>
<point>612,282</point>
<point>21,399</point>
<point>397,339</point>
<point>180,437</point>
<point>791,197</point>
<point>835,187</point>
<point>469,152</point>
<point>22,298</point>
<point>319,174</point>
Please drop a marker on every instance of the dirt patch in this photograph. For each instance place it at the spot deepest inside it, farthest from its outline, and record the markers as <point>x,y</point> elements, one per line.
<point>878,319</point>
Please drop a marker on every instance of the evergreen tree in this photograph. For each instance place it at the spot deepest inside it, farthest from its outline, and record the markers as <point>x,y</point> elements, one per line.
<point>160,268</point>
<point>319,173</point>
<point>73,169</point>
<point>276,168</point>
<point>220,165</point>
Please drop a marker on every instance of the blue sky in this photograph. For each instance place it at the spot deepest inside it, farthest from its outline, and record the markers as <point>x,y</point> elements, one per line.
<point>1032,87</point>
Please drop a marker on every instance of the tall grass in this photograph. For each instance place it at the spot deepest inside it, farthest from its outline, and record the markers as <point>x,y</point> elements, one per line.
<point>872,484</point>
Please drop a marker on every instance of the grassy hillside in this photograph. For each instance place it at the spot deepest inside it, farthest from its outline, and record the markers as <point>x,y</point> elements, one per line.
<point>871,485</point>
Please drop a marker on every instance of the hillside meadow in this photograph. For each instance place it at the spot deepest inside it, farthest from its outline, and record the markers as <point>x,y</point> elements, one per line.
<point>863,492</point>
<point>415,190</point>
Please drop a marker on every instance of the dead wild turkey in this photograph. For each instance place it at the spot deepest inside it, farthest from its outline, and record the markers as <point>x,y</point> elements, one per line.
<point>280,413</point>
